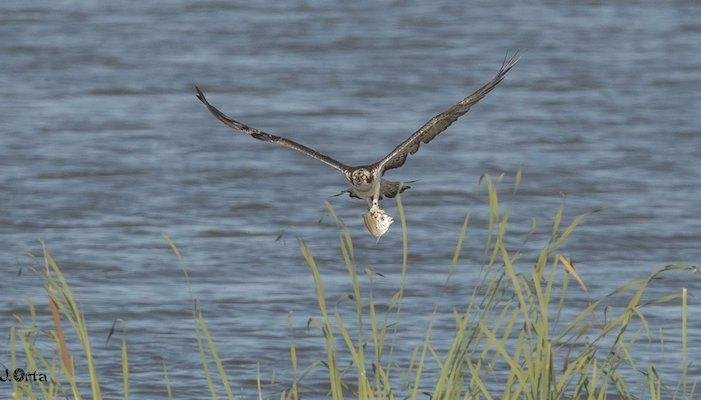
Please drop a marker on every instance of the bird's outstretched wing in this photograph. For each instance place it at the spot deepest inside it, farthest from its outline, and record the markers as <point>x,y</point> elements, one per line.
<point>260,135</point>
<point>442,121</point>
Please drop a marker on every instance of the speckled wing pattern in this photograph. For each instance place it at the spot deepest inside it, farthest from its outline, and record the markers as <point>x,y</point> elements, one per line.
<point>260,135</point>
<point>442,121</point>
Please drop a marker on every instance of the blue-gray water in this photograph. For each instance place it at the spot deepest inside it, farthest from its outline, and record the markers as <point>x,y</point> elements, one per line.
<point>104,148</point>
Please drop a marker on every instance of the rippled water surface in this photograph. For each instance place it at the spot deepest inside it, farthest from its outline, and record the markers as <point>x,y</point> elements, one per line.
<point>104,149</point>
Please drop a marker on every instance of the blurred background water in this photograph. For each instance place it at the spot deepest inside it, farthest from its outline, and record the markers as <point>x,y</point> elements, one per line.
<point>104,148</point>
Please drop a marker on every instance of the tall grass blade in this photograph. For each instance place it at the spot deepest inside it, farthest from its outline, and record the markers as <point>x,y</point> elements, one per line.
<point>458,247</point>
<point>334,373</point>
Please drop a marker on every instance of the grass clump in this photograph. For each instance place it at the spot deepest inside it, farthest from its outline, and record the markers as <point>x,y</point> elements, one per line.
<point>511,338</point>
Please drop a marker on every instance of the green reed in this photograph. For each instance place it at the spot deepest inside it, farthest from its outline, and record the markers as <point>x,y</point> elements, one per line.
<point>509,342</point>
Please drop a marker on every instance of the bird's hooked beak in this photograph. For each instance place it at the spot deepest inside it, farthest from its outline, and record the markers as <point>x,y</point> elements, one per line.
<point>377,221</point>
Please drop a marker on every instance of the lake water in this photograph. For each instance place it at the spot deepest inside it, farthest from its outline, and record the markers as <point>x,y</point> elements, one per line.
<point>104,149</point>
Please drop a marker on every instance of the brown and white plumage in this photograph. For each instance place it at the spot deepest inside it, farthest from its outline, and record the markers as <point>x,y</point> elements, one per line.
<point>442,121</point>
<point>260,135</point>
<point>366,180</point>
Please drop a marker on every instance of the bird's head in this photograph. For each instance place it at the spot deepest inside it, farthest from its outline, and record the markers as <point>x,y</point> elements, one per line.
<point>361,176</point>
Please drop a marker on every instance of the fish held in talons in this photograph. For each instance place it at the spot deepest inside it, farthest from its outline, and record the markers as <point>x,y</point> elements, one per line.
<point>377,221</point>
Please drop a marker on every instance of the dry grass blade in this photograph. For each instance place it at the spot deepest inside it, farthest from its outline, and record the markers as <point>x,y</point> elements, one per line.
<point>125,368</point>
<point>517,180</point>
<point>66,359</point>
<point>166,380</point>
<point>569,267</point>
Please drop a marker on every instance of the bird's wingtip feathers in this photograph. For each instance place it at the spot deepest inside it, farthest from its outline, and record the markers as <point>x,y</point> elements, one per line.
<point>509,62</point>
<point>200,94</point>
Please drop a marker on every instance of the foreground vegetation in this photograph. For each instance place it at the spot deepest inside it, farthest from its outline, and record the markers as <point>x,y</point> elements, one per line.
<point>510,341</point>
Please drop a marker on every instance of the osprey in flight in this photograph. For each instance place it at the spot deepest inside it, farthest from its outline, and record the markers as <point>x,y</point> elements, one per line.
<point>366,180</point>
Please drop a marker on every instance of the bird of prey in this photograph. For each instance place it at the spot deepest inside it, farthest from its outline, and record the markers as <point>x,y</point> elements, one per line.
<point>367,182</point>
